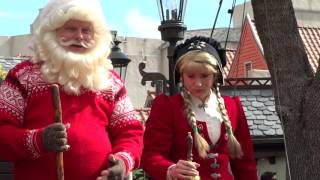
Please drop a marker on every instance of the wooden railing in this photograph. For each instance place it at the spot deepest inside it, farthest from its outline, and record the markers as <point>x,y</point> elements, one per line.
<point>247,83</point>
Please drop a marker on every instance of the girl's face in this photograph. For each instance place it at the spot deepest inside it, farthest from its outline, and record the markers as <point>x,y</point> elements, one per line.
<point>198,80</point>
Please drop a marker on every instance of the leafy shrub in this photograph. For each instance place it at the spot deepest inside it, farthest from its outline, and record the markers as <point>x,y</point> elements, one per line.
<point>138,174</point>
<point>3,73</point>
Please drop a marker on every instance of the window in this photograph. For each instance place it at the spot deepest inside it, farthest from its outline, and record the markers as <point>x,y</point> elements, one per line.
<point>247,68</point>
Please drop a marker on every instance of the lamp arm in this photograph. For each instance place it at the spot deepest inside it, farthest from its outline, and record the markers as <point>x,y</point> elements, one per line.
<point>158,80</point>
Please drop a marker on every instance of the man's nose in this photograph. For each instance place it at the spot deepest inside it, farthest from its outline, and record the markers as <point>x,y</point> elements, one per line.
<point>79,35</point>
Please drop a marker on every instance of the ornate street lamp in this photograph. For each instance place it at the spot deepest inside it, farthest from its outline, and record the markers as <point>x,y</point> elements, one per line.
<point>119,60</point>
<point>172,15</point>
<point>172,30</point>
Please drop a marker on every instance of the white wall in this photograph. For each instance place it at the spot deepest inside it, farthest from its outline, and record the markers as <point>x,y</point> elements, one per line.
<point>20,45</point>
<point>138,50</point>
<point>4,46</point>
<point>312,5</point>
<point>279,167</point>
<point>15,45</point>
<point>307,12</point>
<point>238,14</point>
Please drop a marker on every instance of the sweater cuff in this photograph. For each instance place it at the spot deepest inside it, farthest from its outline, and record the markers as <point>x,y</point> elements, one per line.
<point>127,159</point>
<point>169,176</point>
<point>33,143</point>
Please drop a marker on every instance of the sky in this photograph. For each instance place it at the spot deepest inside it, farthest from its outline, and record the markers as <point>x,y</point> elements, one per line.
<point>130,18</point>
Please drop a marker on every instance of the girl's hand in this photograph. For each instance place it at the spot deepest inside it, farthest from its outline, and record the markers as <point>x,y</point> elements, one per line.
<point>184,170</point>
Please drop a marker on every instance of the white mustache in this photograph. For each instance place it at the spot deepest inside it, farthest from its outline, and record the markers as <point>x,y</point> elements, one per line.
<point>83,44</point>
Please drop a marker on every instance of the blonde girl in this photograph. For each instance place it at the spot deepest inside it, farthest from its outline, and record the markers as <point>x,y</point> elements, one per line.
<point>222,145</point>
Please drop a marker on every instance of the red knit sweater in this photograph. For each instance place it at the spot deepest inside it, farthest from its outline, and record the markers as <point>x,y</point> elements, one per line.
<point>102,122</point>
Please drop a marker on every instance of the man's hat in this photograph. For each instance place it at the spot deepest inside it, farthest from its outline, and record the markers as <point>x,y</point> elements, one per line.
<point>201,43</point>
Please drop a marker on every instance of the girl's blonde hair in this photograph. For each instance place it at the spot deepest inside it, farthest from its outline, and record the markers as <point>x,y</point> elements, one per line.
<point>194,58</point>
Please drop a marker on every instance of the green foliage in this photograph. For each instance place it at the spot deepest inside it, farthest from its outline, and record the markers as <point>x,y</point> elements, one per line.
<point>3,73</point>
<point>138,174</point>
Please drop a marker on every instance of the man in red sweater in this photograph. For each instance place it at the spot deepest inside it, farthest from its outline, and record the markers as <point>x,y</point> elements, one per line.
<point>100,136</point>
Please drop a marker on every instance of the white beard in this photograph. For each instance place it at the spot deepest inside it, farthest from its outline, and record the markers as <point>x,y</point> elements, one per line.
<point>74,71</point>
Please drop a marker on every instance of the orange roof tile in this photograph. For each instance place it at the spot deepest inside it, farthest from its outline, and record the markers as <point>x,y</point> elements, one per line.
<point>311,39</point>
<point>230,53</point>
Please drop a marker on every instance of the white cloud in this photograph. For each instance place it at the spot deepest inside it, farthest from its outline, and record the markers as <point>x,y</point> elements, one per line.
<point>142,26</point>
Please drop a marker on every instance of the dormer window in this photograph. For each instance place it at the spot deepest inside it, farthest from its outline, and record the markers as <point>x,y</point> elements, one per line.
<point>247,68</point>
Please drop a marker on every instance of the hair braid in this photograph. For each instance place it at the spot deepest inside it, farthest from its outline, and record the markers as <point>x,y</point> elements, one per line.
<point>233,144</point>
<point>201,144</point>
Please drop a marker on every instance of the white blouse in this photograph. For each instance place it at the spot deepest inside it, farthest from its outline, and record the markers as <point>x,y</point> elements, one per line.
<point>210,114</point>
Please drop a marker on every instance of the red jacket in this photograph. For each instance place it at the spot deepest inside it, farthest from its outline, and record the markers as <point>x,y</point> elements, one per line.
<point>165,142</point>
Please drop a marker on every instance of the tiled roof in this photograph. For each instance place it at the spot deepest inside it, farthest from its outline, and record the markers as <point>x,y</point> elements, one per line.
<point>259,108</point>
<point>219,34</point>
<point>311,39</point>
<point>10,62</point>
<point>230,53</point>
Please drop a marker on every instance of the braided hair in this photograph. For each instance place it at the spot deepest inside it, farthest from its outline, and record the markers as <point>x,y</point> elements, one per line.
<point>201,144</point>
<point>233,144</point>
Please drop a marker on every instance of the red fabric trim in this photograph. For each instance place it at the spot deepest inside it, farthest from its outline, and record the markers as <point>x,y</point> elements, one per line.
<point>126,162</point>
<point>39,143</point>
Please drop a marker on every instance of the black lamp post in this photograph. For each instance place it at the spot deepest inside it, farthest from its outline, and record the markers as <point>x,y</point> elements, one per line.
<point>119,60</point>
<point>172,30</point>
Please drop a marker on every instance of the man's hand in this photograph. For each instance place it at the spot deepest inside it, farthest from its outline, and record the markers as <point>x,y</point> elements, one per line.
<point>116,170</point>
<point>54,137</point>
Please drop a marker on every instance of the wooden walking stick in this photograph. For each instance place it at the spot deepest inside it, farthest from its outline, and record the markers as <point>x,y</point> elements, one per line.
<point>189,147</point>
<point>189,152</point>
<point>57,118</point>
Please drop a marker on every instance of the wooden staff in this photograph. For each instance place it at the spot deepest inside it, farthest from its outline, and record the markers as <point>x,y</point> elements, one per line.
<point>189,152</point>
<point>57,118</point>
<point>189,146</point>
